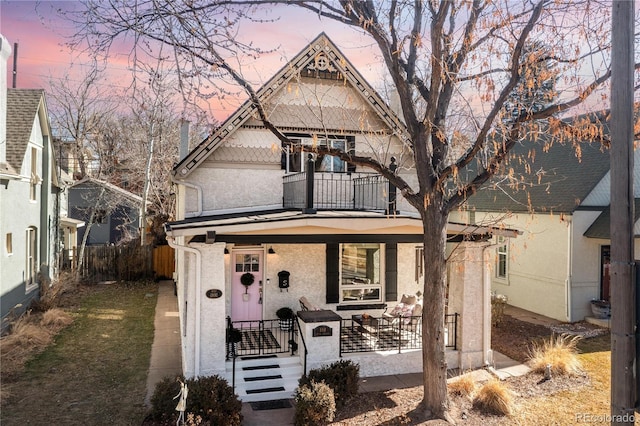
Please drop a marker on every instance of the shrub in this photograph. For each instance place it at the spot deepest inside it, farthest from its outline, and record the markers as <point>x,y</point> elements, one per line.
<point>315,404</point>
<point>210,399</point>
<point>494,397</point>
<point>341,376</point>
<point>560,353</point>
<point>463,385</point>
<point>162,403</point>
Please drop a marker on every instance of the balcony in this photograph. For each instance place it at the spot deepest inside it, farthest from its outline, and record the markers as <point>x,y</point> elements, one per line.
<point>311,191</point>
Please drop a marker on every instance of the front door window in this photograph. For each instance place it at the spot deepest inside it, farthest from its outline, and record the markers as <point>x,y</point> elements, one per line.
<point>247,290</point>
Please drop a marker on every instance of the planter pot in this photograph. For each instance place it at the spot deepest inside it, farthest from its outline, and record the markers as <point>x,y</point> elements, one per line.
<point>245,297</point>
<point>286,324</point>
<point>601,309</point>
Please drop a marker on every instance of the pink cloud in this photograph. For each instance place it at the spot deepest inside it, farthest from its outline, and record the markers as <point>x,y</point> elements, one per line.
<point>43,55</point>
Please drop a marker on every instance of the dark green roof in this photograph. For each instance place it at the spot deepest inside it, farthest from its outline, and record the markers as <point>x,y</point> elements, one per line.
<point>600,228</point>
<point>544,176</point>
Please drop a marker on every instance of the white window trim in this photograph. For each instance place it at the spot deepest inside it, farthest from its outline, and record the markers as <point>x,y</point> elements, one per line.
<point>31,277</point>
<point>502,243</point>
<point>381,285</point>
<point>308,141</point>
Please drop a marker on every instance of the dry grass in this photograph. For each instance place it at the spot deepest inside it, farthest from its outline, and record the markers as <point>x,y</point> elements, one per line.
<point>97,368</point>
<point>56,318</point>
<point>494,397</point>
<point>27,338</point>
<point>463,386</point>
<point>559,353</point>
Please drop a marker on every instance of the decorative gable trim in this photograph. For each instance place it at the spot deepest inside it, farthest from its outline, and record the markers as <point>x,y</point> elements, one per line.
<point>305,61</point>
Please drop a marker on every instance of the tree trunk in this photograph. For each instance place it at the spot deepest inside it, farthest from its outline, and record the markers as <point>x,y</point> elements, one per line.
<point>436,401</point>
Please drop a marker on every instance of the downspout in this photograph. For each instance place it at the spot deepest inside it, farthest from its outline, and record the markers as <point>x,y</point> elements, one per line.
<point>196,356</point>
<point>198,190</point>
<point>486,305</point>
<point>569,263</point>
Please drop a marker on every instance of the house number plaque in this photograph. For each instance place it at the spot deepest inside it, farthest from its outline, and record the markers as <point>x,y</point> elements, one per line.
<point>322,331</point>
<point>214,293</point>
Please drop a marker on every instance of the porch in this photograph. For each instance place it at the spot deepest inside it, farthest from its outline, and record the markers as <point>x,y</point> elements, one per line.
<point>265,360</point>
<point>357,335</point>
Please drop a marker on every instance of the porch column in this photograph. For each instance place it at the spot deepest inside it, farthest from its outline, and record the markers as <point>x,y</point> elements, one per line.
<point>469,296</point>
<point>212,313</point>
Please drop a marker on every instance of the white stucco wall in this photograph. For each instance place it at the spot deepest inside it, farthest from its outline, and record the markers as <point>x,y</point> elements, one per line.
<point>205,317</point>
<point>537,261</point>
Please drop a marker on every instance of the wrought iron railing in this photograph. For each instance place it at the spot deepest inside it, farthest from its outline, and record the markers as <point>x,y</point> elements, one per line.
<point>385,333</point>
<point>262,337</point>
<point>336,191</point>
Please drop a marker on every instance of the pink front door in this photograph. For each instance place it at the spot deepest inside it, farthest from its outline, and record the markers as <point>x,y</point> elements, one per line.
<point>246,300</point>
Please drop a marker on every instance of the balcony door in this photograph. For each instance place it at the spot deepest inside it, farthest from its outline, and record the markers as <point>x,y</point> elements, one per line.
<point>246,299</point>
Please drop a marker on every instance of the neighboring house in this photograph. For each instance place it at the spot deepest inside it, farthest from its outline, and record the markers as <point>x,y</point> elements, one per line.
<point>111,214</point>
<point>243,208</point>
<point>561,262</point>
<point>28,194</point>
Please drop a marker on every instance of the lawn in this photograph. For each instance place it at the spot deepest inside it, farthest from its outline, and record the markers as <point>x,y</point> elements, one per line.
<point>95,371</point>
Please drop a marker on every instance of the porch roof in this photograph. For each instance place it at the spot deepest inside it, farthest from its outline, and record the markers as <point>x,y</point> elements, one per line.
<point>295,226</point>
<point>600,228</point>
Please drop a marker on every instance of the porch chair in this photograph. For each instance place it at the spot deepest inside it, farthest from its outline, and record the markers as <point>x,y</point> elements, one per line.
<point>305,305</point>
<point>409,311</point>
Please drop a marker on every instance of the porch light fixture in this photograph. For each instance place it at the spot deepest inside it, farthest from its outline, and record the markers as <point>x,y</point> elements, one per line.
<point>271,250</point>
<point>226,250</point>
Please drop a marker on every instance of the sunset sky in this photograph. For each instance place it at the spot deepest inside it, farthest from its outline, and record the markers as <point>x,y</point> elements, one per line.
<point>43,57</point>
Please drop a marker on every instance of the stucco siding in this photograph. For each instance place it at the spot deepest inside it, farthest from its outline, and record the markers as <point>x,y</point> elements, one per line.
<point>236,188</point>
<point>537,263</point>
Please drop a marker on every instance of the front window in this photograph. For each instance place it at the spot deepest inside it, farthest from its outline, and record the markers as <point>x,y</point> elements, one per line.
<point>502,257</point>
<point>361,272</point>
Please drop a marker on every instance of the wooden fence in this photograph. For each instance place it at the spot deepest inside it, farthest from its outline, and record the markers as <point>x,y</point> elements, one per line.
<point>163,262</point>
<point>125,263</point>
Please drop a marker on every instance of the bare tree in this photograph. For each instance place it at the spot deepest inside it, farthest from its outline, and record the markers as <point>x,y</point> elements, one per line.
<point>454,64</point>
<point>78,111</point>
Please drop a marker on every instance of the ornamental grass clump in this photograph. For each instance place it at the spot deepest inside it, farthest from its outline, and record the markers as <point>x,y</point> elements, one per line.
<point>462,386</point>
<point>56,319</point>
<point>315,404</point>
<point>494,397</point>
<point>557,356</point>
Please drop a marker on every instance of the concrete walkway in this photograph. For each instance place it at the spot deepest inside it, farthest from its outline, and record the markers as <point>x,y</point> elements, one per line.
<point>166,361</point>
<point>166,355</point>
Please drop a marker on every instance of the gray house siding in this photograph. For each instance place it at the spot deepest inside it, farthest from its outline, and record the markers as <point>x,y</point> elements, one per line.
<point>118,217</point>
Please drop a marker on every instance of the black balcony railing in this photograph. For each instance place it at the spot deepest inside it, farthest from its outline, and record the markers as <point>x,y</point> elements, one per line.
<point>337,191</point>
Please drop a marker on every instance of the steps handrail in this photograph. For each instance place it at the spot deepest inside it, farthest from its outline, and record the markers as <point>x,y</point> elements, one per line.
<point>304,345</point>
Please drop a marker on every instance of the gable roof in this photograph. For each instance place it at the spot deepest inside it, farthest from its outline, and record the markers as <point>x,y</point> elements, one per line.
<point>551,176</point>
<point>91,182</point>
<point>22,109</point>
<point>321,44</point>
<point>601,227</point>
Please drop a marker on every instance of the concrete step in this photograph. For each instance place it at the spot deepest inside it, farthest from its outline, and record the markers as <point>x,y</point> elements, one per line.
<point>265,378</point>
